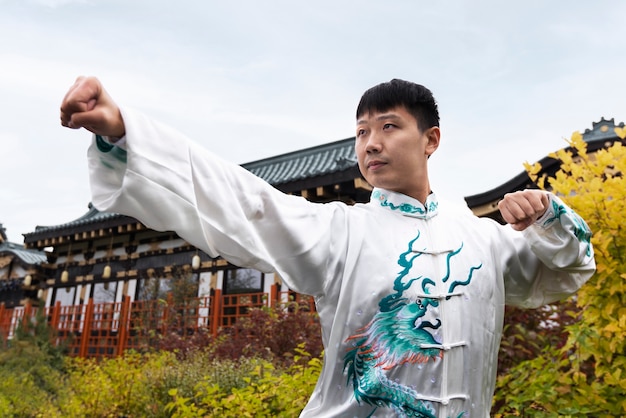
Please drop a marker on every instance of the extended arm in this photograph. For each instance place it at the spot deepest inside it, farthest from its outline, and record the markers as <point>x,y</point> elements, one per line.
<point>170,183</point>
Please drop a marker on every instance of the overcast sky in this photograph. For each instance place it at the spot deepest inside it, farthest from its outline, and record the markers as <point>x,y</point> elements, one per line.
<point>253,79</point>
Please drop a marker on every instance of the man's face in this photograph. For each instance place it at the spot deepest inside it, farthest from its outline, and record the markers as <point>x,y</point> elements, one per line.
<point>392,152</point>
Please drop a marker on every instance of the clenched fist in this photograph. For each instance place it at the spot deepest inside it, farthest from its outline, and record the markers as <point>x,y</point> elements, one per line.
<point>521,209</point>
<point>87,105</point>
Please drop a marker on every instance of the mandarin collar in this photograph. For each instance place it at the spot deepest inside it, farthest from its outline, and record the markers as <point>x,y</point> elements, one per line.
<point>404,204</point>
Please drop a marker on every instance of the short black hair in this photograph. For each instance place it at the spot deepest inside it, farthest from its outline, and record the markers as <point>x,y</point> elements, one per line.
<point>415,98</point>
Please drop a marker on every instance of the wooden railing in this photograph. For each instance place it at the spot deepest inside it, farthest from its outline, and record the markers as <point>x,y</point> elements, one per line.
<point>107,329</point>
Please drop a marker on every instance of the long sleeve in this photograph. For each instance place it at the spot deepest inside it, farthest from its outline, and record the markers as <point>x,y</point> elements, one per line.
<point>559,262</point>
<point>170,183</point>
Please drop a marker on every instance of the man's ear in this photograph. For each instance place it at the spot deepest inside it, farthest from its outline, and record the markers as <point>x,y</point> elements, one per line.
<point>433,135</point>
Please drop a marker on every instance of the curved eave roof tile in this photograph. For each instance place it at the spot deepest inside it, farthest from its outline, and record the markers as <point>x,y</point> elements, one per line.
<point>310,162</point>
<point>27,256</point>
<point>93,216</point>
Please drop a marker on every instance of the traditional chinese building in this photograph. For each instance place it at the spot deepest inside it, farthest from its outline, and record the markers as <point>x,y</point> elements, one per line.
<point>20,272</point>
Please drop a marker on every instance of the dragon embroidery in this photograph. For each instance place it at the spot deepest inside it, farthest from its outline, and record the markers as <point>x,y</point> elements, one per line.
<point>398,334</point>
<point>580,228</point>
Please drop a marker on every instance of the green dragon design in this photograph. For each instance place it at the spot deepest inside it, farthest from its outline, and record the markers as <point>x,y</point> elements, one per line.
<point>580,228</point>
<point>397,335</point>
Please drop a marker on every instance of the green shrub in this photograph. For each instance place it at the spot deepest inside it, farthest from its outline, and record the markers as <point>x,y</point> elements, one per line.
<point>160,385</point>
<point>32,369</point>
<point>37,380</point>
<point>268,392</point>
<point>21,395</point>
<point>185,374</point>
<point>121,386</point>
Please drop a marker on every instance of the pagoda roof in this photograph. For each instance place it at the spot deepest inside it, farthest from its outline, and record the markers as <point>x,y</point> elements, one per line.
<point>302,164</point>
<point>27,256</point>
<point>83,223</point>
<point>321,160</point>
<point>596,138</point>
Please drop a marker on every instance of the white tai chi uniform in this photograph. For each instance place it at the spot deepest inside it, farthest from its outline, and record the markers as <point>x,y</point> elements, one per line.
<point>410,296</point>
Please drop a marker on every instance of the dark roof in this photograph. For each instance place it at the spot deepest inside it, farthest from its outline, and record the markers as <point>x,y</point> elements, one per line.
<point>84,223</point>
<point>603,130</point>
<point>27,256</point>
<point>596,138</point>
<point>285,168</point>
<point>93,215</point>
<point>310,162</point>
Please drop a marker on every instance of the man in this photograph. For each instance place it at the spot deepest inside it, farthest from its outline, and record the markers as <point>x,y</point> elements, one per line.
<point>410,295</point>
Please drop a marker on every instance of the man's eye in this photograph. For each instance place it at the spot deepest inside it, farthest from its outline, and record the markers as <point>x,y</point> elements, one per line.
<point>387,126</point>
<point>360,132</point>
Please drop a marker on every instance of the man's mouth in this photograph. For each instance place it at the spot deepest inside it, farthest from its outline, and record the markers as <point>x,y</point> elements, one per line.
<point>375,165</point>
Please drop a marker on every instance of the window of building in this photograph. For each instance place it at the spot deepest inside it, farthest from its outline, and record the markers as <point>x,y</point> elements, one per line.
<point>104,292</point>
<point>65,295</point>
<point>153,288</point>
<point>243,281</point>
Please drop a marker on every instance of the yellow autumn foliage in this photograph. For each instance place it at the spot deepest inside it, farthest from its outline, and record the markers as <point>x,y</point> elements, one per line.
<point>586,377</point>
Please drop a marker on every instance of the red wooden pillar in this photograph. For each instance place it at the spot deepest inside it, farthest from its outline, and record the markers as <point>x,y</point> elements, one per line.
<point>273,295</point>
<point>84,337</point>
<point>56,316</point>
<point>122,333</point>
<point>26,314</point>
<point>216,311</point>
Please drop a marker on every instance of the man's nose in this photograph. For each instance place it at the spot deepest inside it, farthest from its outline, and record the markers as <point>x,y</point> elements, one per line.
<point>374,144</point>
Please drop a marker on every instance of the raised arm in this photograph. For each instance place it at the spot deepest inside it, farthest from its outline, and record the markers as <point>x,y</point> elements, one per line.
<point>168,182</point>
<point>88,105</point>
